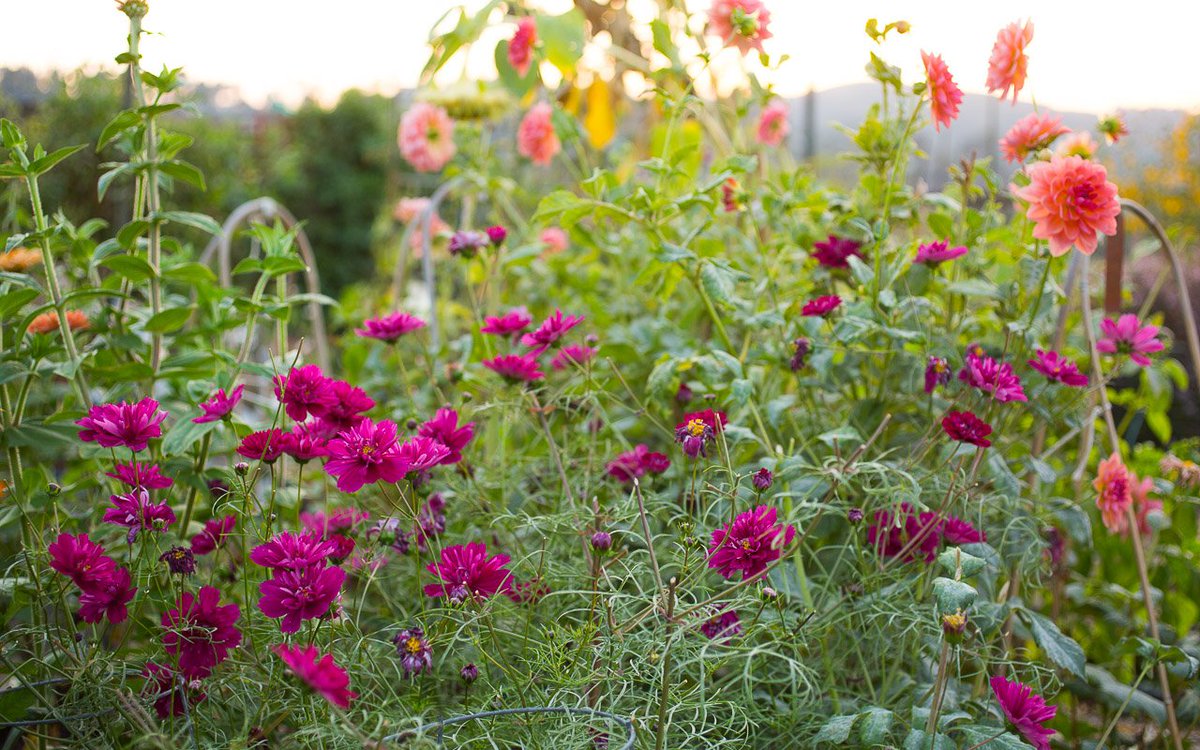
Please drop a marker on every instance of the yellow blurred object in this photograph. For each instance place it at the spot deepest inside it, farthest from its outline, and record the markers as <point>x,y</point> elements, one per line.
<point>600,121</point>
<point>573,100</point>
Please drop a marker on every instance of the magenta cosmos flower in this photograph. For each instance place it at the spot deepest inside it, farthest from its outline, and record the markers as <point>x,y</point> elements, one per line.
<point>821,306</point>
<point>933,253</point>
<point>289,550</point>
<point>304,443</point>
<point>773,124</point>
<point>1031,134</point>
<point>741,24</point>
<point>990,376</point>
<point>637,463</point>
<point>722,626</point>
<point>390,327</point>
<point>349,405</point>
<point>551,330</point>
<point>319,672</point>
<point>214,534</point>
<point>466,572</point>
<point>1071,203</point>
<point>297,595</point>
<point>937,372</point>
<point>264,445</point>
<point>509,324</point>
<point>426,137</point>
<point>520,47</point>
<point>422,454</point>
<point>445,428</point>
<point>1127,336</point>
<point>1058,369</point>
<point>107,598</point>
<point>1008,65</point>
<point>123,424</point>
<point>575,355</point>
<point>536,139</point>
<point>136,512</point>
<point>81,560</point>
<point>365,454</point>
<point>146,476</point>
<point>219,405</point>
<point>835,252</point>
<point>515,368</point>
<point>965,427</point>
<point>957,531</point>
<point>751,542</point>
<point>200,632</point>
<point>303,391</point>
<point>918,533</point>
<point>165,684</point>
<point>944,94</point>
<point>1027,712</point>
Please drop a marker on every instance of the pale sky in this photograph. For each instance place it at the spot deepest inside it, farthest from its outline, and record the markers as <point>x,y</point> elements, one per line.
<point>1096,57</point>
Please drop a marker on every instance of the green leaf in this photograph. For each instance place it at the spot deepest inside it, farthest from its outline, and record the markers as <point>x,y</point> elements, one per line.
<point>181,170</point>
<point>116,126</point>
<point>717,283</point>
<point>106,179</point>
<point>1060,648</point>
<point>836,729</point>
<point>953,558</point>
<point>48,162</point>
<point>840,436</point>
<point>171,319</point>
<point>953,596</point>
<point>192,219</point>
<point>917,739</point>
<point>184,434</point>
<point>132,267</point>
<point>10,134</point>
<point>563,38</point>
<point>875,726</point>
<point>991,737</point>
<point>12,302</point>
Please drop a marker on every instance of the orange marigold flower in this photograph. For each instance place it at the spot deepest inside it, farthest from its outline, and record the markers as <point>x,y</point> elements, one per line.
<point>944,93</point>
<point>48,322</point>
<point>19,259</point>
<point>1008,64</point>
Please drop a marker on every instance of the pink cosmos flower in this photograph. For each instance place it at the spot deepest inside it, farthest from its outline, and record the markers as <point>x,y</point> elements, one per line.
<point>146,476</point>
<point>1027,712</point>
<point>1009,64</point>
<point>336,521</point>
<point>426,137</point>
<point>219,405</point>
<point>289,550</point>
<point>536,139</point>
<point>937,372</point>
<point>136,512</point>
<point>1143,504</point>
<point>944,94</point>
<point>821,306</point>
<point>515,368</point>
<point>216,531</point>
<point>934,253</point>
<point>124,424</point>
<point>163,682</point>
<point>365,454</point>
<point>751,542</point>
<point>1078,144</point>
<point>107,598</point>
<point>509,324</point>
<point>520,47</point>
<point>80,559</point>
<point>714,419</point>
<point>445,429</point>
<point>1115,487</point>
<point>466,572</point>
<point>264,445</point>
<point>554,240</point>
<point>390,327</point>
<point>319,672</point>
<point>1058,369</point>
<point>305,390</point>
<point>1127,336</point>
<point>350,402</point>
<point>773,124</point>
<point>965,427</point>
<point>1031,134</point>
<point>297,595</point>
<point>304,443</point>
<point>422,454</point>
<point>637,463</point>
<point>957,531</point>
<point>573,354</point>
<point>918,533</point>
<point>528,592</point>
<point>722,626</point>
<point>990,376</point>
<point>835,252</point>
<point>740,23</point>
<point>201,632</point>
<point>1070,202</point>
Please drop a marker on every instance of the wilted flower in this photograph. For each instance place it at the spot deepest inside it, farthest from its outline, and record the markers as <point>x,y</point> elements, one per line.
<point>740,23</point>
<point>1058,369</point>
<point>731,192</point>
<point>123,425</point>
<point>1027,712</point>
<point>1127,336</point>
<point>965,427</point>
<point>467,243</point>
<point>933,253</point>
<point>136,512</point>
<point>536,139</point>
<point>918,533</point>
<point>1113,128</point>
<point>1009,64</point>
<point>1189,471</point>
<point>694,435</point>
<point>389,327</point>
<point>181,561</point>
<point>1115,487</point>
<point>1070,202</point>
<point>937,372</point>
<point>426,137</point>
<point>520,47</point>
<point>1031,134</point>
<point>319,672</point>
<point>800,355</point>
<point>773,124</point>
<point>219,405</point>
<point>415,654</point>
<point>749,543</point>
<point>944,94</point>
<point>200,632</point>
<point>954,626</point>
<point>1077,144</point>
<point>835,252</point>
<point>466,572</point>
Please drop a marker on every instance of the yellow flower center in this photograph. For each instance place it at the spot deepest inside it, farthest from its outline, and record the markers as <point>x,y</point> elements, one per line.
<point>413,645</point>
<point>696,427</point>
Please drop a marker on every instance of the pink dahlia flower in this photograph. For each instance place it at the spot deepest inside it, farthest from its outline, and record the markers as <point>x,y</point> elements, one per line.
<point>934,253</point>
<point>365,454</point>
<point>214,534</point>
<point>821,306</point>
<point>509,324</point>
<point>80,559</point>
<point>298,595</point>
<point>773,124</point>
<point>515,368</point>
<point>1058,369</point>
<point>445,428</point>
<point>304,443</point>
<point>1114,484</point>
<point>944,94</point>
<point>390,327</point>
<point>1070,202</point>
<point>536,139</point>
<point>742,24</point>
<point>957,531</point>
<point>1031,134</point>
<point>1127,336</point>
<point>990,376</point>
<point>1009,64</point>
<point>466,572</point>
<point>201,632</point>
<point>965,427</point>
<point>125,425</point>
<point>1027,712</point>
<point>835,252</point>
<point>107,598</point>
<point>751,542</point>
<point>219,405</point>
<point>520,47</point>
<point>427,137</point>
<point>147,476</point>
<point>319,672</point>
<point>305,390</point>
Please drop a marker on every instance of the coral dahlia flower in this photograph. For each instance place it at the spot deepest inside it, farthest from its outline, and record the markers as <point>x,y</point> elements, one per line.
<point>944,94</point>
<point>536,139</point>
<point>1009,64</point>
<point>1031,134</point>
<point>1114,484</point>
<point>520,47</point>
<point>426,137</point>
<point>742,24</point>
<point>773,124</point>
<point>1071,202</point>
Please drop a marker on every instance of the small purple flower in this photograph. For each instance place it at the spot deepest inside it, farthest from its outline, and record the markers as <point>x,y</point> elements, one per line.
<point>937,372</point>
<point>219,405</point>
<point>684,394</point>
<point>800,356</point>
<point>469,673</point>
<point>694,435</point>
<point>854,515</point>
<point>497,235</point>
<point>763,479</point>
<point>415,654</point>
<point>181,561</point>
<point>466,243</point>
<point>601,541</point>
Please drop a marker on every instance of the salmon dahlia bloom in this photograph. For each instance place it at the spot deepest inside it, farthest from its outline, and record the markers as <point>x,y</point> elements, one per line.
<point>740,23</point>
<point>1071,203</point>
<point>520,47</point>
<point>1079,144</point>
<point>536,139</point>
<point>1114,484</point>
<point>1009,64</point>
<point>319,672</point>
<point>427,137</point>
<point>1031,134</point>
<point>944,94</point>
<point>20,259</point>
<point>773,124</point>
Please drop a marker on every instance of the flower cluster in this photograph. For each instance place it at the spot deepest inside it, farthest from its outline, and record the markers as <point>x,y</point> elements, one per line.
<point>104,586</point>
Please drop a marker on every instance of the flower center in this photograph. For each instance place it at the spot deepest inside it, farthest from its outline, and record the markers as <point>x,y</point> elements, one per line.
<point>413,645</point>
<point>695,428</point>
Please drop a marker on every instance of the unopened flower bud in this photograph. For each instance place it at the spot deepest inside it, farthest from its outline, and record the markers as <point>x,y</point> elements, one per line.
<point>954,626</point>
<point>241,467</point>
<point>854,515</point>
<point>469,673</point>
<point>53,489</point>
<point>601,541</point>
<point>763,478</point>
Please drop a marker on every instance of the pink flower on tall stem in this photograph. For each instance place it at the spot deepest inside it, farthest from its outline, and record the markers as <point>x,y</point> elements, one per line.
<point>80,559</point>
<point>965,427</point>
<point>421,454</point>
<point>576,355</point>
<point>773,124</point>
<point>1058,369</point>
<point>937,372</point>
<point>264,445</point>
<point>297,595</point>
<point>426,137</point>
<point>136,512</point>
<point>751,542</point>
<point>944,94</point>
<point>466,572</point>
<point>389,327</point>
<point>821,306</point>
<point>127,425</point>
<point>1143,504</point>
<point>445,428</point>
<point>1026,711</point>
<point>551,330</point>
<point>201,632</point>
<point>835,252</point>
<point>166,685</point>
<point>741,24</point>
<point>1078,144</point>
<point>365,454</point>
<point>990,376</point>
<point>509,324</point>
<point>289,550</point>
<point>147,476</point>
<point>219,405</point>
<point>1127,336</point>
<point>1114,484</point>
<point>554,240</point>
<point>304,443</point>
<point>915,535</point>
<point>214,534</point>
<point>933,253</point>
<point>303,391</point>
<point>350,402</point>
<point>319,672</point>
<point>515,368</point>
<point>1031,134</point>
<point>1009,64</point>
<point>536,139</point>
<point>1071,202</point>
<point>520,47</point>
<point>107,598</point>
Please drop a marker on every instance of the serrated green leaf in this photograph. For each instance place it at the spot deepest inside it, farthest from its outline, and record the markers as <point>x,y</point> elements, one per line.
<point>1060,648</point>
<point>953,596</point>
<point>836,729</point>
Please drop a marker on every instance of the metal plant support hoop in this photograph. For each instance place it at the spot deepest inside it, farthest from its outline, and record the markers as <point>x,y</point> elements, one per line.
<point>625,722</point>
